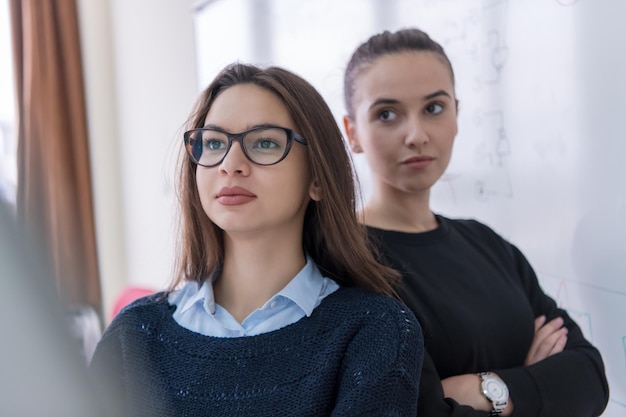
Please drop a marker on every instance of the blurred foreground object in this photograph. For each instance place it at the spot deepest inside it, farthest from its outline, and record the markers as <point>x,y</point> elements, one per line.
<point>42,374</point>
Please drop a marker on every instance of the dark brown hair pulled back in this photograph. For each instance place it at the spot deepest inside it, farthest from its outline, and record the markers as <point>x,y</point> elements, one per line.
<point>385,43</point>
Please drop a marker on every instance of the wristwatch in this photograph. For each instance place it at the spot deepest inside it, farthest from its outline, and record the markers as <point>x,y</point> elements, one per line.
<point>495,390</point>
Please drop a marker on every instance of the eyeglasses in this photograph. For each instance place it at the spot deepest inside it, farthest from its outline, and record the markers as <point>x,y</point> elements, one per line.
<point>263,145</point>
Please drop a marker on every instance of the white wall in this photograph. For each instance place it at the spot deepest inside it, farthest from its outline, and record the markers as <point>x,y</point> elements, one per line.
<point>140,79</point>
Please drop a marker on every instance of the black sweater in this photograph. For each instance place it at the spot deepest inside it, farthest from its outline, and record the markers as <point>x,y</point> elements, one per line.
<point>477,297</point>
<point>358,354</point>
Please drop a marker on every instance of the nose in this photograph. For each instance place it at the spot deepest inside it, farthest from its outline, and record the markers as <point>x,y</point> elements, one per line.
<point>235,161</point>
<point>416,134</point>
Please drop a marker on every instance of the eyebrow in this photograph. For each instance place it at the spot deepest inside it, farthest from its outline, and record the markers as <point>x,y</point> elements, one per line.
<point>210,126</point>
<point>394,101</point>
<point>436,94</point>
<point>248,127</point>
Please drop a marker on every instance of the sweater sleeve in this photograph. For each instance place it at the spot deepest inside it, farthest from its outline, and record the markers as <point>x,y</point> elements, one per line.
<point>568,384</point>
<point>435,404</point>
<point>381,368</point>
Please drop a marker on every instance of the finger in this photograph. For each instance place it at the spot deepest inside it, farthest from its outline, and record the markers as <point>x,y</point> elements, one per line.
<point>539,321</point>
<point>559,345</point>
<point>543,344</point>
<point>549,328</point>
<point>550,344</point>
<point>546,335</point>
<point>555,323</point>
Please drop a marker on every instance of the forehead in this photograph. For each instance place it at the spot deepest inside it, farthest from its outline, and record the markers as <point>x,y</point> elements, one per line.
<point>404,74</point>
<point>243,106</point>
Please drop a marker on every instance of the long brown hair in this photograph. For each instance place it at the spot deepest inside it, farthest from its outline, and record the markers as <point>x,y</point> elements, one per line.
<point>332,236</point>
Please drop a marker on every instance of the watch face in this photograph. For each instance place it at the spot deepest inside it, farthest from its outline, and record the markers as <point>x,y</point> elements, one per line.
<point>495,389</point>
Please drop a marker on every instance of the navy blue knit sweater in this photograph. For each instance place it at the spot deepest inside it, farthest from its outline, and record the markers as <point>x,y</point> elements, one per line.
<point>358,354</point>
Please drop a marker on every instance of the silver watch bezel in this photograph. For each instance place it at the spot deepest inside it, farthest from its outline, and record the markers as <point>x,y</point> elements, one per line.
<point>495,390</point>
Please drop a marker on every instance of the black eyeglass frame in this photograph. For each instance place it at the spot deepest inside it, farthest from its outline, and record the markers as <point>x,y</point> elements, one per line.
<point>238,137</point>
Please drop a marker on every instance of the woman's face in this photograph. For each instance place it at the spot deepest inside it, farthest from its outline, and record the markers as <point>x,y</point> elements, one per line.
<point>405,120</point>
<point>240,196</point>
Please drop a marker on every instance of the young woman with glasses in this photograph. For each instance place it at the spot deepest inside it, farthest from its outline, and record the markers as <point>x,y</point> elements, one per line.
<point>278,307</point>
<point>495,342</point>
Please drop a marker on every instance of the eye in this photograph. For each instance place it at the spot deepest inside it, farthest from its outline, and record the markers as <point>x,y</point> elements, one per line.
<point>266,143</point>
<point>434,108</point>
<point>387,115</point>
<point>213,144</point>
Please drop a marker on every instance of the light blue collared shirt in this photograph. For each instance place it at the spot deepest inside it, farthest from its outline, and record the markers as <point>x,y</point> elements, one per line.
<point>197,311</point>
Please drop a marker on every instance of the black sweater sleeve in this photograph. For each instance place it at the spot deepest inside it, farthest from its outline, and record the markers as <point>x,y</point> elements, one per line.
<point>431,401</point>
<point>568,384</point>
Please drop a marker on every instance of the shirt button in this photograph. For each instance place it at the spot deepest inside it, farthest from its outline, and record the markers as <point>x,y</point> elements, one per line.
<point>273,304</point>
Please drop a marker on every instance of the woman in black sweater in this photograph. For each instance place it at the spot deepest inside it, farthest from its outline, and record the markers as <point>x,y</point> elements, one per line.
<point>495,343</point>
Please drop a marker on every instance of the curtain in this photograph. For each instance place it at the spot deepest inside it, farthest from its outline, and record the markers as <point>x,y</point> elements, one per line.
<point>54,200</point>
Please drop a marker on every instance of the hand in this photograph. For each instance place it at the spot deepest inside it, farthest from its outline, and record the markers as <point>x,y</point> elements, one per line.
<point>465,389</point>
<point>550,338</point>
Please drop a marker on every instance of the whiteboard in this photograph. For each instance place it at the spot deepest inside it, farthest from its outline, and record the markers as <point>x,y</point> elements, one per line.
<point>540,154</point>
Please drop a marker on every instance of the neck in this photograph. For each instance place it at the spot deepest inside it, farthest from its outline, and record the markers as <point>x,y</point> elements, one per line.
<point>254,270</point>
<point>400,211</point>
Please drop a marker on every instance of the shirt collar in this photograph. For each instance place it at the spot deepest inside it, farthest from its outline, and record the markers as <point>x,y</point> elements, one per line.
<point>194,292</point>
<point>303,290</point>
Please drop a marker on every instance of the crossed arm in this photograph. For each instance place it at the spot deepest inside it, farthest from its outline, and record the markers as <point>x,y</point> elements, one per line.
<point>550,338</point>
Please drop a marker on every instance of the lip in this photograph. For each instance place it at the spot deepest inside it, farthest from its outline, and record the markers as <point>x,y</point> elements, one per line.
<point>421,161</point>
<point>232,196</point>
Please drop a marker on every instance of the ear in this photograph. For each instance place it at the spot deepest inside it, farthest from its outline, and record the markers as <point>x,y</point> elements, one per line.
<point>353,140</point>
<point>315,191</point>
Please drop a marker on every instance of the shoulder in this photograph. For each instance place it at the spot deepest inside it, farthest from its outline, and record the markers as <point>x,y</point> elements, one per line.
<point>137,324</point>
<point>148,309</point>
<point>357,298</point>
<point>482,236</point>
<point>473,229</point>
<point>367,308</point>
<point>152,301</point>
<point>465,224</point>
<point>369,323</point>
